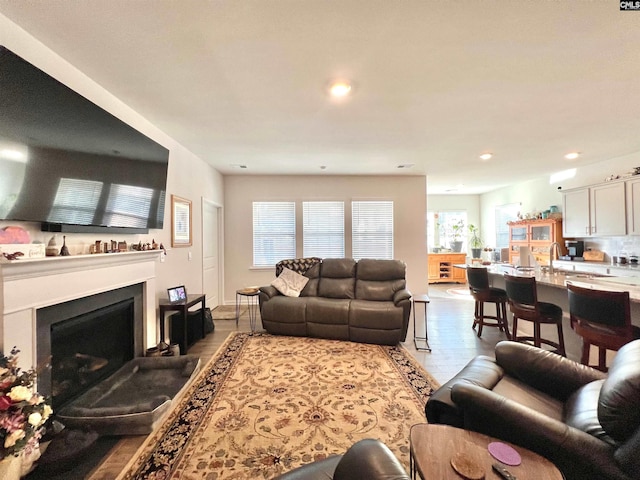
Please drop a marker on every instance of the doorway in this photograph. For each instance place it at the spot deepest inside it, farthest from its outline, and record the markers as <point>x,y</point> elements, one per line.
<point>211,252</point>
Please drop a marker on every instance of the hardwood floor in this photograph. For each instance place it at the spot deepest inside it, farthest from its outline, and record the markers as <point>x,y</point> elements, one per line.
<point>453,343</point>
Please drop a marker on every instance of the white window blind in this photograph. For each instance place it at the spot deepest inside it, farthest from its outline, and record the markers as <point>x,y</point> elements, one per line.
<point>274,232</point>
<point>372,229</point>
<point>128,206</point>
<point>323,229</point>
<point>76,201</point>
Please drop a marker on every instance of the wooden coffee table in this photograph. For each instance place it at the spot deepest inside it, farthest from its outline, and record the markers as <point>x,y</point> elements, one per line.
<point>433,446</point>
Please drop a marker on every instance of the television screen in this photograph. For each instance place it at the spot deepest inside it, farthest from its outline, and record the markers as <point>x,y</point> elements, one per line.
<point>69,164</point>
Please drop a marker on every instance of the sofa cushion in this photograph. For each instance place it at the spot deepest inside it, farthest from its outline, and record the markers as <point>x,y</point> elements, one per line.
<point>285,309</point>
<point>337,278</point>
<point>581,411</point>
<point>311,288</point>
<point>290,283</point>
<point>380,270</point>
<point>619,402</point>
<point>328,318</point>
<point>379,279</point>
<point>521,393</point>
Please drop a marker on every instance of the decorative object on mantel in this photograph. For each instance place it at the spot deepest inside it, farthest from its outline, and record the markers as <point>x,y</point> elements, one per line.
<point>23,414</point>
<point>15,242</point>
<point>15,235</point>
<point>64,251</point>
<point>52,247</point>
<point>15,251</point>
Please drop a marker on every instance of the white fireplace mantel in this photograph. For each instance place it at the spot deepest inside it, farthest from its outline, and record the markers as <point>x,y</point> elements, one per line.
<point>30,284</point>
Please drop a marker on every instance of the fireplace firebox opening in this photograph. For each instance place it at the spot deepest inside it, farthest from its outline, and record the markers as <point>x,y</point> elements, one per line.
<point>86,340</point>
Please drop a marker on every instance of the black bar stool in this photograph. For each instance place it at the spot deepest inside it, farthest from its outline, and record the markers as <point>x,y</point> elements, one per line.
<point>523,303</point>
<point>603,319</point>
<point>478,279</point>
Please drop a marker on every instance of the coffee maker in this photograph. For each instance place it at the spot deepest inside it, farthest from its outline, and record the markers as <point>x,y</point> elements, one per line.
<point>575,250</point>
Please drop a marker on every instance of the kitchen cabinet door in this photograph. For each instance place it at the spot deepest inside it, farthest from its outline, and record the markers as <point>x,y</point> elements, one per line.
<point>633,206</point>
<point>608,213</point>
<point>575,213</point>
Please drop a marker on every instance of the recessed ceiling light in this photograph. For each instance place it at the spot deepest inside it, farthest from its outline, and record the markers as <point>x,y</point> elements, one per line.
<point>572,155</point>
<point>238,166</point>
<point>340,89</point>
<point>406,165</point>
<point>486,156</point>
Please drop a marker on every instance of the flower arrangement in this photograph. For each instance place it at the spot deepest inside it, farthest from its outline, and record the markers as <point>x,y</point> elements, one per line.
<point>23,412</point>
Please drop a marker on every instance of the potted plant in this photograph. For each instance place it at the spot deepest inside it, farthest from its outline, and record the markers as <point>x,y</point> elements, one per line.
<point>455,235</point>
<point>475,242</point>
<point>23,413</point>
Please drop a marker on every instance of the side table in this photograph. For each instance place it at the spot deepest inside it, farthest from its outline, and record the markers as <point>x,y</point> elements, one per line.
<point>423,299</point>
<point>251,294</point>
<point>183,306</point>
<point>433,446</point>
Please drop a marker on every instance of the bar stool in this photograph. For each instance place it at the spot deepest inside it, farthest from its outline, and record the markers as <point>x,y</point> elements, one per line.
<point>522,295</point>
<point>603,319</point>
<point>478,279</point>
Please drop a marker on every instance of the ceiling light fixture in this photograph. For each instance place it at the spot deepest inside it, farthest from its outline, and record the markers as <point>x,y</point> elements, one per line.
<point>572,155</point>
<point>486,156</point>
<point>406,165</point>
<point>340,89</point>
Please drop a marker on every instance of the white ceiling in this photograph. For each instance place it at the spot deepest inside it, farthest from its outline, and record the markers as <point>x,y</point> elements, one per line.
<point>436,82</point>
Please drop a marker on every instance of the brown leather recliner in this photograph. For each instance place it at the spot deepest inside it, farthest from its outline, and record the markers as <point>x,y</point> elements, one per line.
<point>585,421</point>
<point>368,459</point>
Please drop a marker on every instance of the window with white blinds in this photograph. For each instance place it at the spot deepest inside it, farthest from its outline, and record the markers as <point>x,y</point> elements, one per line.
<point>323,229</point>
<point>372,229</point>
<point>274,232</point>
<point>75,202</point>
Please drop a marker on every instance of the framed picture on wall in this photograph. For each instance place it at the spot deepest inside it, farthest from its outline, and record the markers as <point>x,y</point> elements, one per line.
<point>180,222</point>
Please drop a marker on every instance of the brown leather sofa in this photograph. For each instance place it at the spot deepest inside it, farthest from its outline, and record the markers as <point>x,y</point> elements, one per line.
<point>585,421</point>
<point>368,459</point>
<point>361,301</point>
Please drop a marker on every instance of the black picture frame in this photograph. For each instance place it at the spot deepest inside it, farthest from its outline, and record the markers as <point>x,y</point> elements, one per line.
<point>177,294</point>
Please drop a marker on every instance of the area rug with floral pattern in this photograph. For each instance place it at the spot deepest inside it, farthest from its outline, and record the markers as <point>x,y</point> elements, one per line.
<point>266,404</point>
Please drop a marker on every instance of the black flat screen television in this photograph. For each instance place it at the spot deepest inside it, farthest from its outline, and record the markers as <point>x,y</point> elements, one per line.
<point>69,164</point>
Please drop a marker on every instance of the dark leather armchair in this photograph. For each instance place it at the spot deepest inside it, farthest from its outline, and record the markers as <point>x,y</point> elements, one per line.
<point>583,420</point>
<point>367,459</point>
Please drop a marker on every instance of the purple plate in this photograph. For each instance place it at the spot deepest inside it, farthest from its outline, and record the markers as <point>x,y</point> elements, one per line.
<point>504,453</point>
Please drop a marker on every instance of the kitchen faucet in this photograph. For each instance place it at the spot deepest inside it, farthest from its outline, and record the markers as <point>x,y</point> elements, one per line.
<point>558,252</point>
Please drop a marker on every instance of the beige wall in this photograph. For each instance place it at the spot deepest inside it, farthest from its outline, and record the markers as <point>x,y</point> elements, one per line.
<point>407,192</point>
<point>189,177</point>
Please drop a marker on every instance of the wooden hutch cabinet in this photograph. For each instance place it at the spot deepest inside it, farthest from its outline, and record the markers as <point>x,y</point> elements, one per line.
<point>441,268</point>
<point>536,234</point>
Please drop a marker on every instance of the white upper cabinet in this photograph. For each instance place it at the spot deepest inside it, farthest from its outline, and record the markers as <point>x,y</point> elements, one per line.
<point>633,206</point>
<point>608,213</point>
<point>575,213</point>
<point>595,211</point>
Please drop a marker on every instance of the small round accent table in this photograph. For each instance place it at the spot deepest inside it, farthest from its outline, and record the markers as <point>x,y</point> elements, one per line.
<point>251,294</point>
